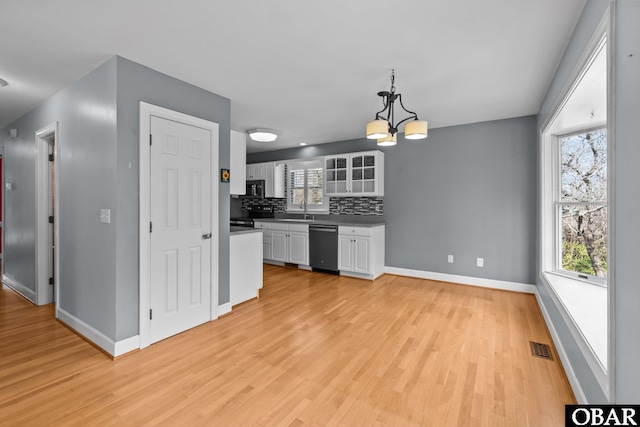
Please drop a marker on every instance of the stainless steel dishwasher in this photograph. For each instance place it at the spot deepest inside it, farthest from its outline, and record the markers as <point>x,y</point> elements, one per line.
<point>323,248</point>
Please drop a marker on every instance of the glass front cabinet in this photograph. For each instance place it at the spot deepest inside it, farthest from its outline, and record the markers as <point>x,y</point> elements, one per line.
<point>355,174</point>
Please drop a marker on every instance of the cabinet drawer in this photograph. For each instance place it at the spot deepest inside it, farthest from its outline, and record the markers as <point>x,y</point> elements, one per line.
<point>355,231</point>
<point>266,237</point>
<point>262,225</point>
<point>299,227</point>
<point>279,226</point>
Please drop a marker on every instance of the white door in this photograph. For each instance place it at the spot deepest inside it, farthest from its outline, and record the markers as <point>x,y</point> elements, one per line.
<point>279,246</point>
<point>180,239</point>
<point>361,256</point>
<point>299,248</point>
<point>344,253</point>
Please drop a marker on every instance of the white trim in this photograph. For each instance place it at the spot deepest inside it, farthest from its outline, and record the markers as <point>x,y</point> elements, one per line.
<point>566,363</point>
<point>146,111</point>
<point>110,346</point>
<point>13,284</point>
<point>88,332</point>
<point>126,345</point>
<point>42,237</point>
<point>464,280</point>
<point>606,379</point>
<point>583,345</point>
<point>224,308</point>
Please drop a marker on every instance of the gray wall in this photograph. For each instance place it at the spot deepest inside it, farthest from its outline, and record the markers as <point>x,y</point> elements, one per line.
<point>98,120</point>
<point>86,163</point>
<point>626,236</point>
<point>623,206</point>
<point>139,83</point>
<point>469,191</point>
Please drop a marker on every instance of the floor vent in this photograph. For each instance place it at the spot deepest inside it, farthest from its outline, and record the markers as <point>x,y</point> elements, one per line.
<point>541,350</point>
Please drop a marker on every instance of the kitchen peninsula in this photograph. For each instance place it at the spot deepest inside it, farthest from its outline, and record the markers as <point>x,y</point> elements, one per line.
<point>245,264</point>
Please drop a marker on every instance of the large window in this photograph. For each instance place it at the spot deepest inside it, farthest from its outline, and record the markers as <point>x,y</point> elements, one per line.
<point>582,205</point>
<point>305,187</point>
<point>574,253</point>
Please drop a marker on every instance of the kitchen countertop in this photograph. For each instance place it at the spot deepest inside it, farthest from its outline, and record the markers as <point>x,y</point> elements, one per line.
<point>243,230</point>
<point>323,221</point>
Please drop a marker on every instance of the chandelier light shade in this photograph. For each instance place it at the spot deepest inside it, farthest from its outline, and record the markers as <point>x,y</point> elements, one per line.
<point>416,129</point>
<point>385,125</point>
<point>262,135</point>
<point>377,129</point>
<point>388,140</point>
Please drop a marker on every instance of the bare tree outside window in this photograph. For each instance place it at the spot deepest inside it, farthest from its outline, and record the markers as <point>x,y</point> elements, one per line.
<point>583,203</point>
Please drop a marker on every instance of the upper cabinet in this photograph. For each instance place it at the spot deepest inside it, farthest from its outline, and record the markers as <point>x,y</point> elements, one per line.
<point>355,174</point>
<point>238,160</point>
<point>274,180</point>
<point>255,171</point>
<point>273,175</point>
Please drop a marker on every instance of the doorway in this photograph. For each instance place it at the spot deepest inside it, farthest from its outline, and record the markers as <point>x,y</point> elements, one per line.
<point>47,206</point>
<point>178,222</point>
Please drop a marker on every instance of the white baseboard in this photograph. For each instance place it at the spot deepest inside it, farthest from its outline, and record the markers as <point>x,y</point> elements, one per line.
<point>566,364</point>
<point>126,345</point>
<point>98,338</point>
<point>464,280</point>
<point>224,309</point>
<point>19,288</point>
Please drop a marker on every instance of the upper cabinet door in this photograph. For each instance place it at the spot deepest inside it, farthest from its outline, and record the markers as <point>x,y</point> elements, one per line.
<point>336,174</point>
<point>355,174</point>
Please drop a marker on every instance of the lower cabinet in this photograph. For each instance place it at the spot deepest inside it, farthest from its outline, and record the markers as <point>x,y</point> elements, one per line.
<point>266,237</point>
<point>354,254</point>
<point>361,251</point>
<point>287,243</point>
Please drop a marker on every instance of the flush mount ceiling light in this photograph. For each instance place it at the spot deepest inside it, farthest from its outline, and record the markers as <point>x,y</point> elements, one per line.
<point>3,83</point>
<point>384,129</point>
<point>262,135</point>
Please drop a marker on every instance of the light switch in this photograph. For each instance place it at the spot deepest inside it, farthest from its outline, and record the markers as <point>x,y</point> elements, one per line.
<point>105,216</point>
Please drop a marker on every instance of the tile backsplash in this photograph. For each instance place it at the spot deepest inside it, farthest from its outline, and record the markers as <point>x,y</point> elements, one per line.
<point>337,205</point>
<point>356,206</point>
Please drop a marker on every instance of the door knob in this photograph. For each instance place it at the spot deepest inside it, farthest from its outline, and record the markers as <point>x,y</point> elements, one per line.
<point>206,236</point>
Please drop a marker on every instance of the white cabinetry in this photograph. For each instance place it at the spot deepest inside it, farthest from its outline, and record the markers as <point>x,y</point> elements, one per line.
<point>354,174</point>
<point>273,175</point>
<point>267,237</point>
<point>245,266</point>
<point>290,243</point>
<point>361,251</point>
<point>238,161</point>
<point>274,180</point>
<point>255,171</point>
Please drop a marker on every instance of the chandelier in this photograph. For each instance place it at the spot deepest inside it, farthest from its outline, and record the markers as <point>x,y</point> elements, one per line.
<point>384,129</point>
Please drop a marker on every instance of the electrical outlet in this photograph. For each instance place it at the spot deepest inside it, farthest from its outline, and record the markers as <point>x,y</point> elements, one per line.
<point>105,216</point>
<point>450,258</point>
<point>480,262</point>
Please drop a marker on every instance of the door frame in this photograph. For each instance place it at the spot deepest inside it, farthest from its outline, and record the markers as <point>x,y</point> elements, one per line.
<point>43,202</point>
<point>146,112</point>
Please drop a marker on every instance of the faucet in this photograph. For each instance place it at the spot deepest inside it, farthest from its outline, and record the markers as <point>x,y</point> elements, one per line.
<point>303,205</point>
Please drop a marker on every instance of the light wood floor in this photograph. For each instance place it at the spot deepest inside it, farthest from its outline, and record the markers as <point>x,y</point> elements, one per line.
<point>315,349</point>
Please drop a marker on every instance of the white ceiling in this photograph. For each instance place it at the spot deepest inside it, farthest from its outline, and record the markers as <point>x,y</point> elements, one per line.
<point>310,70</point>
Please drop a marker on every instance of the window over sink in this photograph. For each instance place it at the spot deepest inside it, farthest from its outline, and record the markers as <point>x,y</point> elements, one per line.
<point>305,189</point>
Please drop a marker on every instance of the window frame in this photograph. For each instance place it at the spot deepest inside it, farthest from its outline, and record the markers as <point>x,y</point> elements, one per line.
<point>576,309</point>
<point>315,163</point>
<point>557,204</point>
